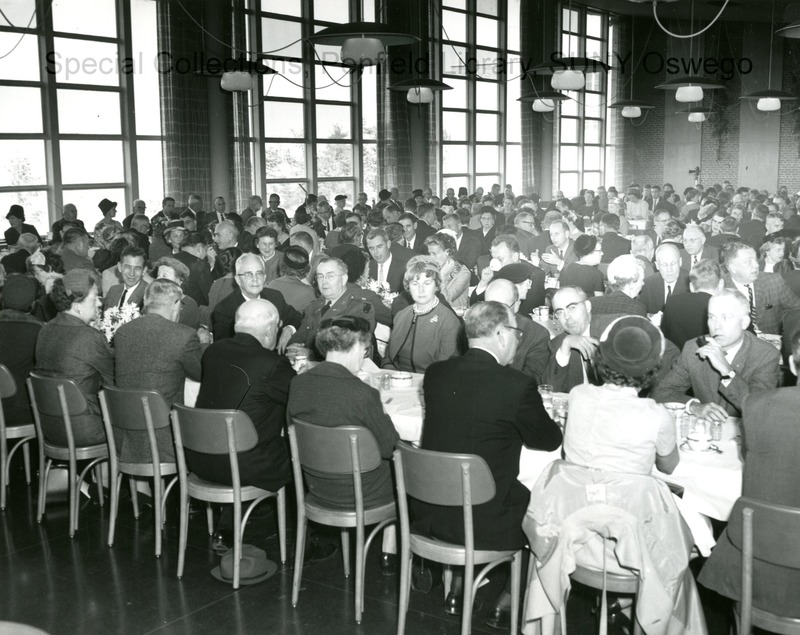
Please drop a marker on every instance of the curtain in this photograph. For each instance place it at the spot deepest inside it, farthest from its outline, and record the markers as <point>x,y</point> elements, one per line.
<point>184,108</point>
<point>239,122</point>
<point>530,52</point>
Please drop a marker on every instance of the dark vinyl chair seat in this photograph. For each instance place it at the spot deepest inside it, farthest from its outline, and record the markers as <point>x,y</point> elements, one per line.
<point>22,433</point>
<point>60,397</point>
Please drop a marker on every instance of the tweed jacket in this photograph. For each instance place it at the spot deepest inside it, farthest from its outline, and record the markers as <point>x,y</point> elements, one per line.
<point>756,365</point>
<point>774,299</point>
<point>153,353</point>
<point>617,303</point>
<point>66,347</point>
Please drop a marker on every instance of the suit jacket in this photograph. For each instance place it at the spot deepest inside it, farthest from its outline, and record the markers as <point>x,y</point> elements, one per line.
<point>419,244</point>
<point>653,292</point>
<point>752,232</point>
<point>569,257</point>
<point>532,350</point>
<point>469,250</point>
<point>486,240</point>
<point>224,315</point>
<point>18,333</point>
<point>135,295</point>
<point>66,347</point>
<point>771,446</point>
<point>199,282</point>
<point>476,406</point>
<point>709,253</point>
<point>685,317</point>
<point>774,301</point>
<point>397,268</point>
<point>316,397</point>
<point>59,224</point>
<point>239,373</point>
<point>720,240</point>
<point>614,245</point>
<point>756,365</point>
<point>15,263</point>
<point>617,303</point>
<point>153,353</point>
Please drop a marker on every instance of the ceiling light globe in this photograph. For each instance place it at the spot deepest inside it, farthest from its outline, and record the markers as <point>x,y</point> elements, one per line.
<point>697,117</point>
<point>687,94</point>
<point>568,80</point>
<point>362,51</point>
<point>236,81</point>
<point>543,105</point>
<point>769,104</point>
<point>631,112</point>
<point>420,95</point>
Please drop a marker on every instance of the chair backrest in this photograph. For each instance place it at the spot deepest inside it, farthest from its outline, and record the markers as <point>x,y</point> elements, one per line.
<point>207,431</point>
<point>442,478</point>
<point>46,396</point>
<point>8,387</point>
<point>129,409</point>
<point>330,450</point>
<point>774,530</point>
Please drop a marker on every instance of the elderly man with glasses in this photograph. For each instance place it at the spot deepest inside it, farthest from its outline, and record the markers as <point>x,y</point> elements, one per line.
<point>250,277</point>
<point>337,299</point>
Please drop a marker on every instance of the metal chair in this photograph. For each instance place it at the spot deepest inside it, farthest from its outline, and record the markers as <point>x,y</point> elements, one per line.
<point>137,411</point>
<point>25,432</point>
<point>59,397</point>
<point>220,432</point>
<point>767,533</point>
<point>455,480</point>
<point>343,450</point>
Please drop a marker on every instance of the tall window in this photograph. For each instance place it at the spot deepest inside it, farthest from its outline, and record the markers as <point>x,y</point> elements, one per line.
<point>70,83</point>
<point>319,119</point>
<point>582,122</point>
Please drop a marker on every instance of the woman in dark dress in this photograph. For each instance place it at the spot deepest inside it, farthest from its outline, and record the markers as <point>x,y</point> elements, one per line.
<point>16,218</point>
<point>584,273</point>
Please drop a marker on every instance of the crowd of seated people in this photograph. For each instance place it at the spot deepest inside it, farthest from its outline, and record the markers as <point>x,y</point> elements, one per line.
<point>704,277</point>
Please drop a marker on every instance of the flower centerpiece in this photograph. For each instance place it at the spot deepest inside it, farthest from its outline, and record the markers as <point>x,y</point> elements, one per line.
<point>115,317</point>
<point>382,290</point>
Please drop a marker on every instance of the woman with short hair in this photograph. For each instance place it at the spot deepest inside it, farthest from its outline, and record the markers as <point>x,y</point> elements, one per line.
<point>455,275</point>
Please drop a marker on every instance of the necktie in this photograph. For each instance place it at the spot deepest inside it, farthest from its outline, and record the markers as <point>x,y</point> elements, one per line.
<point>380,272</point>
<point>325,308</point>
<point>125,294</point>
<point>408,244</point>
<point>669,291</point>
<point>752,305</point>
<point>695,259</point>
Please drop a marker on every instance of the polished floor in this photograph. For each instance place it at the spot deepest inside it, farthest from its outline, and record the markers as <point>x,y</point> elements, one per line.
<point>80,585</point>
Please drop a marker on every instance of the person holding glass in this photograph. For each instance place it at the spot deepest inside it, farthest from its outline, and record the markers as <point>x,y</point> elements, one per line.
<point>428,330</point>
<point>69,347</point>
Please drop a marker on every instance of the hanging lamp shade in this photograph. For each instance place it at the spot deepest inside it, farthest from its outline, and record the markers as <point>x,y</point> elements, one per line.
<point>420,95</point>
<point>791,31</point>
<point>769,100</point>
<point>419,90</point>
<point>697,117</point>
<point>543,100</point>
<point>569,73</point>
<point>362,43</point>
<point>543,105</point>
<point>690,88</point>
<point>568,80</point>
<point>236,81</point>
<point>697,114</point>
<point>631,108</point>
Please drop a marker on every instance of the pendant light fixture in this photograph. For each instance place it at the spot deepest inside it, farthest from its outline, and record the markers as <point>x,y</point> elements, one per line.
<point>631,108</point>
<point>363,43</point>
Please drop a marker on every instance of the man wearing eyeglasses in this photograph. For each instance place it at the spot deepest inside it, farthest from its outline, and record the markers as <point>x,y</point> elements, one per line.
<point>250,278</point>
<point>131,270</point>
<point>337,299</point>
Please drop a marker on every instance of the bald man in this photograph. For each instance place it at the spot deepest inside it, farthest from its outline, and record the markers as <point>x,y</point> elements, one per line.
<point>695,248</point>
<point>245,372</point>
<point>532,352</point>
<point>669,280</point>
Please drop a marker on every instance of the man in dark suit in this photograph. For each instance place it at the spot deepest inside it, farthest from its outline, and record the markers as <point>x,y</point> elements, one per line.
<point>669,280</point>
<point>525,224</point>
<point>730,364</point>
<point>613,244</point>
<point>476,405</point>
<point>468,245</point>
<point>411,238</point>
<point>753,231</point>
<point>250,277</point>
<point>658,202</point>
<point>686,314</point>
<point>770,298</point>
<point>695,248</point>
<point>193,254</point>
<point>727,232</point>
<point>561,252</point>
<point>244,372</point>
<point>532,352</point>
<point>771,444</point>
<point>131,291</point>
<point>389,260</point>
<point>69,218</point>
<point>155,352</point>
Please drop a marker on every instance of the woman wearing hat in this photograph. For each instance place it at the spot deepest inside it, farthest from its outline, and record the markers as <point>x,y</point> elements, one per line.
<point>455,275</point>
<point>68,346</point>
<point>169,241</point>
<point>109,209</point>
<point>584,273</point>
<point>427,331</point>
<point>16,218</point>
<point>611,428</point>
<point>293,280</point>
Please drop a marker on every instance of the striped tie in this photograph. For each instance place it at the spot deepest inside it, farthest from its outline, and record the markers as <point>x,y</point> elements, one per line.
<point>752,306</point>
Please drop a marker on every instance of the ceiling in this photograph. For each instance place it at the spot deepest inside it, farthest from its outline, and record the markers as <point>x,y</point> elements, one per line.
<point>786,11</point>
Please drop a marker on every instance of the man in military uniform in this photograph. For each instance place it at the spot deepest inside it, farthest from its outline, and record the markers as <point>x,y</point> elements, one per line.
<point>338,298</point>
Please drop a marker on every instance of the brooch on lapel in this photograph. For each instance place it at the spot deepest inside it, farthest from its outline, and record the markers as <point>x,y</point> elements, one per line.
<point>434,319</point>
